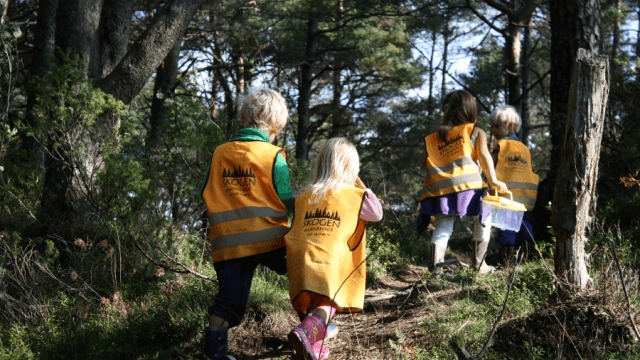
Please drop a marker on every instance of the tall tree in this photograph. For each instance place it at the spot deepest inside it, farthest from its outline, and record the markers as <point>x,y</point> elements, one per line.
<point>96,31</point>
<point>574,198</point>
<point>574,24</point>
<point>518,14</point>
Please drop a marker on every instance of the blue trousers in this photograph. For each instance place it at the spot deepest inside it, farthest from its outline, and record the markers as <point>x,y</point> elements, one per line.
<point>234,282</point>
<point>512,238</point>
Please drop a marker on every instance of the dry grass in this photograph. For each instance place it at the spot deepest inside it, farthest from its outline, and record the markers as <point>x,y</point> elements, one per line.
<point>590,325</point>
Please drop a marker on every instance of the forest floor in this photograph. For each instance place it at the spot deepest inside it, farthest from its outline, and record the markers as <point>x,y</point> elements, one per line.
<point>372,334</point>
<point>406,311</point>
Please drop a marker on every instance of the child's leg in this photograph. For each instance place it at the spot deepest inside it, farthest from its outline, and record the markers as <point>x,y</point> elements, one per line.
<point>234,281</point>
<point>480,243</point>
<point>443,229</point>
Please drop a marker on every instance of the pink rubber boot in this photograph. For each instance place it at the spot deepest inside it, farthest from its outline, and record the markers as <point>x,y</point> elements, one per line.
<point>320,351</point>
<point>304,336</point>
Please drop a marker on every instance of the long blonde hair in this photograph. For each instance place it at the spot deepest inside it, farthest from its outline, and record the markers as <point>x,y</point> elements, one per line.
<point>336,165</point>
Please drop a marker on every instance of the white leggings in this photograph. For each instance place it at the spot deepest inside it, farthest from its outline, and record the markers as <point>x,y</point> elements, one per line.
<point>444,229</point>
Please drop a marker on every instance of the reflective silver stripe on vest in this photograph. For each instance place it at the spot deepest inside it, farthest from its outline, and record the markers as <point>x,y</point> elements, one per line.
<point>452,165</point>
<point>246,213</point>
<point>525,200</point>
<point>458,180</point>
<point>522,185</point>
<point>250,237</point>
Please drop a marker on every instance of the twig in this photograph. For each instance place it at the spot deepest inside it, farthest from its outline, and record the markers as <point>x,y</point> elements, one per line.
<point>504,307</point>
<point>624,287</point>
<point>566,335</point>
<point>162,265</point>
<point>20,201</point>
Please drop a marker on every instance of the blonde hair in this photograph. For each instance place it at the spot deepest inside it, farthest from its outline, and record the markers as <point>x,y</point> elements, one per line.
<point>264,109</point>
<point>336,165</point>
<point>506,115</point>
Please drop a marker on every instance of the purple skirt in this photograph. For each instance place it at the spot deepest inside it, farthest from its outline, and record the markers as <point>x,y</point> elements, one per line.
<point>465,203</point>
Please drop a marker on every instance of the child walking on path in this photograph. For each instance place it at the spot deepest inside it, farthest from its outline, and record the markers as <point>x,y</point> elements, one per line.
<point>326,245</point>
<point>248,197</point>
<point>513,166</point>
<point>454,184</point>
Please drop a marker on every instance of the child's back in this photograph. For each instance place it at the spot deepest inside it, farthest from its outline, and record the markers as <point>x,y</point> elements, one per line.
<point>454,184</point>
<point>512,159</point>
<point>326,245</point>
<point>247,194</point>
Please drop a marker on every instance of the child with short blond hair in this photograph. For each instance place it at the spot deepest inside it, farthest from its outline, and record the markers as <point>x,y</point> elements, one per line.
<point>512,159</point>
<point>326,246</point>
<point>248,199</point>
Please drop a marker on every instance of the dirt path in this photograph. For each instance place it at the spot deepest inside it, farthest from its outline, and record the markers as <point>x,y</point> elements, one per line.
<point>372,334</point>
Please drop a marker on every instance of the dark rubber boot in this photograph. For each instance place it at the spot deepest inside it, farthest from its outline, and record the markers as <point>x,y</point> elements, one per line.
<point>215,343</point>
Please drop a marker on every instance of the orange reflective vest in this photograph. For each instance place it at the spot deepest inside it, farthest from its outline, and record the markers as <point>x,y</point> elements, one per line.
<point>246,216</point>
<point>514,168</point>
<point>326,252</point>
<point>452,165</point>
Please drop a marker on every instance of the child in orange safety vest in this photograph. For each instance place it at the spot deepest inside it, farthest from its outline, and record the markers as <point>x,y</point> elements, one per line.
<point>512,159</point>
<point>248,198</point>
<point>454,184</point>
<point>326,246</point>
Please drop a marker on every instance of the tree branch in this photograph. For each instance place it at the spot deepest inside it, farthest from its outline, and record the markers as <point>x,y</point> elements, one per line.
<point>145,55</point>
<point>470,91</point>
<point>485,20</point>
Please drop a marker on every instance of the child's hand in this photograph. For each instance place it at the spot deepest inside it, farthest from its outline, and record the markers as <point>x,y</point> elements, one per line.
<point>500,186</point>
<point>360,184</point>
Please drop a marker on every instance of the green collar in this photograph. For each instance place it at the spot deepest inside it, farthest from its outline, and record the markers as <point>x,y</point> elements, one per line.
<point>251,134</point>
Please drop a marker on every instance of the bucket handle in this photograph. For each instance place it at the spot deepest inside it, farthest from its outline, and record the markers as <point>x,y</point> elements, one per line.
<point>495,193</point>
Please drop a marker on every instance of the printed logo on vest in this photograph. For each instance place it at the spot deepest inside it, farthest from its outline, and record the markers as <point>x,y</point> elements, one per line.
<point>450,145</point>
<point>238,181</point>
<point>517,163</point>
<point>321,222</point>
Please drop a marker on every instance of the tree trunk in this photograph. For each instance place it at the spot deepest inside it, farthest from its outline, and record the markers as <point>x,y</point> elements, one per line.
<point>304,89</point>
<point>163,88</point>
<point>43,48</point>
<point>574,196</point>
<point>115,24</point>
<point>77,24</point>
<point>229,105</point>
<point>70,179</point>
<point>524,101</point>
<point>615,48</point>
<point>5,7</point>
<point>430,100</point>
<point>574,24</point>
<point>445,53</point>
<point>512,63</point>
<point>336,106</point>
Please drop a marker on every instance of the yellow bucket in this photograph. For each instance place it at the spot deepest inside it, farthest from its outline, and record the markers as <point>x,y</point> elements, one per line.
<point>504,213</point>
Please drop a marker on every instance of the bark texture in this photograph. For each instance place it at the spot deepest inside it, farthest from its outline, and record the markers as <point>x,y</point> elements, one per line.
<point>575,198</point>
<point>306,80</point>
<point>115,24</point>
<point>143,58</point>
<point>574,24</point>
<point>97,31</point>
<point>77,24</point>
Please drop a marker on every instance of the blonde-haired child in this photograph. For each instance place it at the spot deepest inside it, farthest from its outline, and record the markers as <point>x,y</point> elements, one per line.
<point>248,198</point>
<point>454,185</point>
<point>264,109</point>
<point>512,159</point>
<point>326,245</point>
